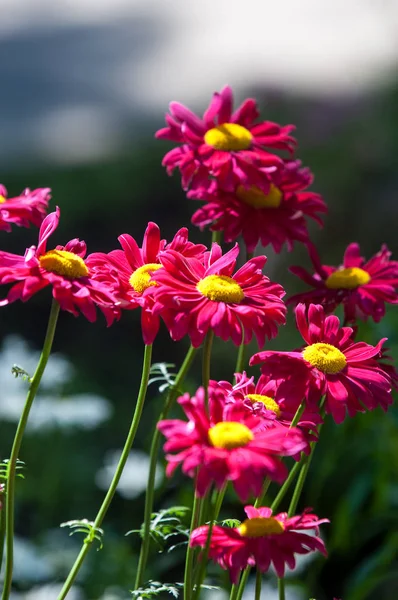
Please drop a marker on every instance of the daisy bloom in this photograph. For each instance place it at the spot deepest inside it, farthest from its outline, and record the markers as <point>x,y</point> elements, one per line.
<point>203,294</point>
<point>229,146</point>
<point>275,216</point>
<point>332,363</point>
<point>127,273</point>
<point>261,540</point>
<point>63,268</point>
<point>228,445</point>
<point>363,287</point>
<point>29,208</point>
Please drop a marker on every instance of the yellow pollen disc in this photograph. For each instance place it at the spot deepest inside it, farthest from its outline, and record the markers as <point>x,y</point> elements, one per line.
<point>64,263</point>
<point>347,279</point>
<point>229,136</point>
<point>268,402</point>
<point>325,357</point>
<point>229,435</point>
<point>140,280</point>
<point>257,199</point>
<point>2,199</point>
<point>221,288</point>
<point>261,526</point>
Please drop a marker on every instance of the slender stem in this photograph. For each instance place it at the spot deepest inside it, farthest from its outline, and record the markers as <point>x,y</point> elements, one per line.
<point>260,499</point>
<point>2,525</point>
<point>287,483</point>
<point>218,498</point>
<point>240,362</point>
<point>118,473</point>
<point>216,237</point>
<point>188,582</point>
<point>12,463</point>
<point>281,588</point>
<point>257,595</point>
<point>206,359</point>
<point>297,415</point>
<point>150,490</point>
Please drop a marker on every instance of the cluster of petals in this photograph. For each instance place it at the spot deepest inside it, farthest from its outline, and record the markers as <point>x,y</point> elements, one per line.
<point>204,293</point>
<point>275,216</point>
<point>226,145</point>
<point>363,287</point>
<point>29,208</point>
<point>261,540</point>
<point>226,443</point>
<point>127,273</point>
<point>63,268</point>
<point>349,374</point>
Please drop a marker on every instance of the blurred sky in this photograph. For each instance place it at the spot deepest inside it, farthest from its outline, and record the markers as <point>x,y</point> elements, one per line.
<point>75,72</point>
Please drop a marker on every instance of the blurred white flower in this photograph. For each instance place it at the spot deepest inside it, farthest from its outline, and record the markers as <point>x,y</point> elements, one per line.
<point>48,591</point>
<point>134,479</point>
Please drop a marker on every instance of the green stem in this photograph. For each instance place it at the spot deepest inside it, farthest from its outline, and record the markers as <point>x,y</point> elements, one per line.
<point>12,463</point>
<point>188,580</point>
<point>216,237</point>
<point>287,483</point>
<point>240,362</point>
<point>257,595</point>
<point>2,526</point>
<point>206,359</point>
<point>150,489</point>
<point>216,505</point>
<point>118,473</point>
<point>260,499</point>
<point>297,415</point>
<point>281,588</point>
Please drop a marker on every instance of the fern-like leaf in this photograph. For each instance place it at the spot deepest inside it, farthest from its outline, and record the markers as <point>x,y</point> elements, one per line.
<point>160,373</point>
<point>20,373</point>
<point>88,528</point>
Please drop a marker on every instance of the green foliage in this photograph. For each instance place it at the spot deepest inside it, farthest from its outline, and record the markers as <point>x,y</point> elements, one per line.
<point>88,528</point>
<point>165,524</point>
<point>20,373</point>
<point>155,588</point>
<point>161,372</point>
<point>4,466</point>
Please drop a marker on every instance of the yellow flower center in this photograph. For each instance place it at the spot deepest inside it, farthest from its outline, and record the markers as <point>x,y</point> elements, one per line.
<point>261,526</point>
<point>64,263</point>
<point>229,136</point>
<point>2,199</point>
<point>325,357</point>
<point>221,288</point>
<point>268,402</point>
<point>229,435</point>
<point>347,279</point>
<point>140,280</point>
<point>257,199</point>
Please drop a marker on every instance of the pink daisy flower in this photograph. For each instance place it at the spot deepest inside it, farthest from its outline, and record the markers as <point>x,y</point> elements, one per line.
<point>203,294</point>
<point>348,373</point>
<point>29,208</point>
<point>63,268</point>
<point>128,273</point>
<point>226,145</point>
<point>261,540</point>
<point>362,287</point>
<point>228,445</point>
<point>275,216</point>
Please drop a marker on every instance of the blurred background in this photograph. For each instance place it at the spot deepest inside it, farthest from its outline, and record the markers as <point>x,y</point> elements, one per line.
<point>85,84</point>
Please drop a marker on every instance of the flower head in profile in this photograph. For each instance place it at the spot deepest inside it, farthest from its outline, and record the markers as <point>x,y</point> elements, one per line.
<point>363,287</point>
<point>261,540</point>
<point>29,208</point>
<point>227,145</point>
<point>275,216</point>
<point>128,273</point>
<point>228,445</point>
<point>203,294</point>
<point>349,373</point>
<point>62,267</point>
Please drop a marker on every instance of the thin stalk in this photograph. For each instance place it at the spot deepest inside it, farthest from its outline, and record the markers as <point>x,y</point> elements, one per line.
<point>287,483</point>
<point>257,595</point>
<point>2,526</point>
<point>188,574</point>
<point>206,360</point>
<point>281,588</point>
<point>240,361</point>
<point>216,237</point>
<point>260,499</point>
<point>150,490</point>
<point>12,463</point>
<point>118,473</point>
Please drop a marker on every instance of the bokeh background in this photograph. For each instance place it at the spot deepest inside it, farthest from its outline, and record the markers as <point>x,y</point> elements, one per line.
<point>85,83</point>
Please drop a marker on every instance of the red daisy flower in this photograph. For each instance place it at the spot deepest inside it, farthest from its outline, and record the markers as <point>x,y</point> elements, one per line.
<point>275,216</point>
<point>228,445</point>
<point>128,273</point>
<point>260,540</point>
<point>223,144</point>
<point>362,287</point>
<point>63,268</point>
<point>205,294</point>
<point>29,208</point>
<point>348,373</point>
